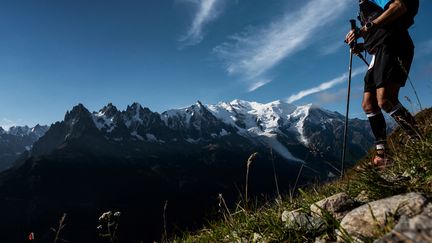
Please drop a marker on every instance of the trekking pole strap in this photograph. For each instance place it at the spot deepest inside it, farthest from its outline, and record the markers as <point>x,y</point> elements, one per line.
<point>363,59</point>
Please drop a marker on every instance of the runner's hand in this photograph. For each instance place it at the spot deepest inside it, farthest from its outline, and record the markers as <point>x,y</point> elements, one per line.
<point>350,37</point>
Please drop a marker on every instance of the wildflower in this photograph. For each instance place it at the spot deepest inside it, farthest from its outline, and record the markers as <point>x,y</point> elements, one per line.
<point>108,225</point>
<point>31,236</point>
<point>105,216</point>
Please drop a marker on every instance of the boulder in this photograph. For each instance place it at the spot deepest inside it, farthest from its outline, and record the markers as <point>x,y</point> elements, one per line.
<point>417,229</point>
<point>367,221</point>
<point>428,210</point>
<point>337,205</point>
<point>298,219</point>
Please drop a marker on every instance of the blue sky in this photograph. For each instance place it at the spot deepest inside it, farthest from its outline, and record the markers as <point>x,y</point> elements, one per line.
<point>167,54</point>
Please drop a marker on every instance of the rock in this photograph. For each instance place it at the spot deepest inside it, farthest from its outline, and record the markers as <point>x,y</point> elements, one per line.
<point>299,219</point>
<point>417,229</point>
<point>362,197</point>
<point>254,238</point>
<point>337,205</point>
<point>365,221</point>
<point>320,240</point>
<point>428,210</point>
<point>257,238</point>
<point>323,239</point>
<point>234,237</point>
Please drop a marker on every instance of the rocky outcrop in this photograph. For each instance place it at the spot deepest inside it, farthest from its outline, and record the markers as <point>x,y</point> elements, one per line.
<point>407,218</point>
<point>417,229</point>
<point>366,221</point>
<point>337,205</point>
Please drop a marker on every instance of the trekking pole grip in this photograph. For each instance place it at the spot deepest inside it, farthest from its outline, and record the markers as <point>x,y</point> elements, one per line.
<point>353,24</point>
<point>354,28</point>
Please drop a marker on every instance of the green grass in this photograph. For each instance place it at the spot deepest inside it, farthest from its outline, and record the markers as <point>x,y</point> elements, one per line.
<point>411,172</point>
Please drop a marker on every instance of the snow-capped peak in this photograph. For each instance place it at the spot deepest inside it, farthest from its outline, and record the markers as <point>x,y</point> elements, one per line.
<point>135,106</point>
<point>39,130</point>
<point>199,104</point>
<point>259,121</point>
<point>104,119</point>
<point>253,116</point>
<point>183,116</point>
<point>19,131</point>
<point>134,115</point>
<point>109,110</point>
<point>134,110</point>
<point>299,115</point>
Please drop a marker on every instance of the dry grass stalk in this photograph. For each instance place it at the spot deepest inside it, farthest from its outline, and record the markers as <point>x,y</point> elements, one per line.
<point>248,164</point>
<point>279,197</point>
<point>164,238</point>
<point>224,208</point>
<point>59,229</point>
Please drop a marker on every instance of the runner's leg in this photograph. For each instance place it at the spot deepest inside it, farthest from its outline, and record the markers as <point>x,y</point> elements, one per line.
<point>388,101</point>
<point>375,117</point>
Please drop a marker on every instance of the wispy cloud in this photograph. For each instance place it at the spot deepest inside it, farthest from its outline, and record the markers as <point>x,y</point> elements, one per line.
<point>331,97</point>
<point>339,95</point>
<point>332,48</point>
<point>252,53</point>
<point>207,12</point>
<point>254,86</point>
<point>324,86</point>
<point>332,41</point>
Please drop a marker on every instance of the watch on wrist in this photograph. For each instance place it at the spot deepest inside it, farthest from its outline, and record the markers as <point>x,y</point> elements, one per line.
<point>370,26</point>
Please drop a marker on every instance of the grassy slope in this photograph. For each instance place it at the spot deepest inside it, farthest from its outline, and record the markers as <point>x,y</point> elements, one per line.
<point>246,223</point>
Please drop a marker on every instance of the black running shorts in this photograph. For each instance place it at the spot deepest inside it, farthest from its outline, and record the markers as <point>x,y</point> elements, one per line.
<point>390,64</point>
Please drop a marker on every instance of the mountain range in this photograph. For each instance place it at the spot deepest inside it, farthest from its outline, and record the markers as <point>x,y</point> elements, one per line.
<point>16,140</point>
<point>279,126</point>
<point>136,160</point>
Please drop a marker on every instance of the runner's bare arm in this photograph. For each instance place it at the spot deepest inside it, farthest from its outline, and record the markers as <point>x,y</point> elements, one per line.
<point>396,9</point>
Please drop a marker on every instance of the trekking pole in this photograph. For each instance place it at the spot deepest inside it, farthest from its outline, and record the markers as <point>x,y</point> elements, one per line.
<point>352,44</point>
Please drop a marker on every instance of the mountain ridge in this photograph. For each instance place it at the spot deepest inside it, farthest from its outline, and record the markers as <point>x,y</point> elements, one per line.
<point>17,140</point>
<point>265,124</point>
